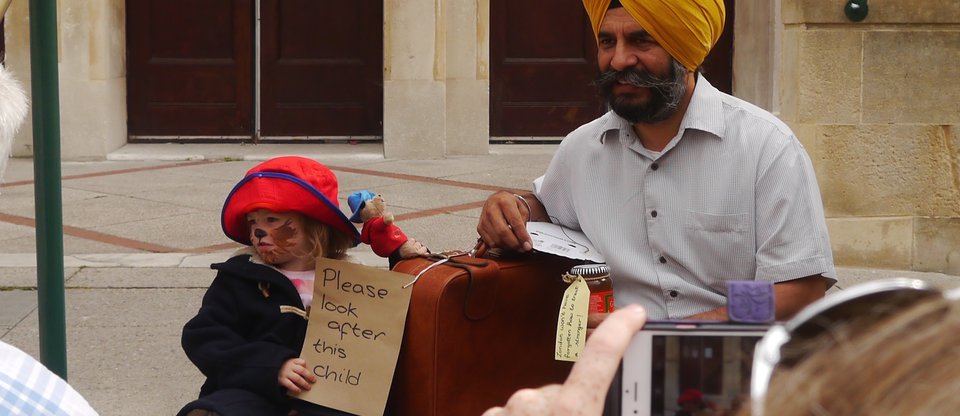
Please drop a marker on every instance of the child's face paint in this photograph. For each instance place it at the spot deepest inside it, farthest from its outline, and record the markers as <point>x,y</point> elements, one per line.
<point>279,238</point>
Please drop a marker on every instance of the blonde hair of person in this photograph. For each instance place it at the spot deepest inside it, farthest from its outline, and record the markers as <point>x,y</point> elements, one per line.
<point>905,364</point>
<point>325,241</point>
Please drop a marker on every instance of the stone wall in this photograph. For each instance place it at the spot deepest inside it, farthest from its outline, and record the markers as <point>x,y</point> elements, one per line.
<point>877,104</point>
<point>93,86</point>
<point>435,86</point>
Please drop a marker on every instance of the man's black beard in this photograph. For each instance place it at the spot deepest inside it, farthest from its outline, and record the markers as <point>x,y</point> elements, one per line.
<point>665,97</point>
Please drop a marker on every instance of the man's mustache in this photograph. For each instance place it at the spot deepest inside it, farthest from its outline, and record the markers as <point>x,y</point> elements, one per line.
<point>634,77</point>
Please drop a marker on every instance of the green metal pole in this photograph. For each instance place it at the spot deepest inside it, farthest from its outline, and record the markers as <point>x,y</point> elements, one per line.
<point>45,86</point>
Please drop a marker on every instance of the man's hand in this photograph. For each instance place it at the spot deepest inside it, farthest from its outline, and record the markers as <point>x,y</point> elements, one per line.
<point>584,391</point>
<point>294,375</point>
<point>503,222</point>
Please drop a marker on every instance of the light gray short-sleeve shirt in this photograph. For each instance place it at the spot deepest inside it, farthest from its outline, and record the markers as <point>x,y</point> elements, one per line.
<point>732,197</point>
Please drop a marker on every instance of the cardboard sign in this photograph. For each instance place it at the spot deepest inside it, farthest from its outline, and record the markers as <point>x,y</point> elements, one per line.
<point>354,335</point>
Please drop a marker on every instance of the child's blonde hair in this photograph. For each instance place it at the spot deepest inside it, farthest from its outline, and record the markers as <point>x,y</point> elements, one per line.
<point>325,241</point>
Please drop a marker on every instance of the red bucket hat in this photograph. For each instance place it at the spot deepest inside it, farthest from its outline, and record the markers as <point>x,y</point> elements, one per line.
<point>282,184</point>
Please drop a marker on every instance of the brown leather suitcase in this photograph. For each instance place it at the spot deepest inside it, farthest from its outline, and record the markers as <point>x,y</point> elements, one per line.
<point>478,329</point>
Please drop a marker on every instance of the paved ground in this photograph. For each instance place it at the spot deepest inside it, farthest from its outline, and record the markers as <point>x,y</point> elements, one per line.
<point>141,229</point>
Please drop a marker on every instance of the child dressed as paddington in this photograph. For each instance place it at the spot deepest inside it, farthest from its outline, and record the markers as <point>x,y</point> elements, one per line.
<point>247,336</point>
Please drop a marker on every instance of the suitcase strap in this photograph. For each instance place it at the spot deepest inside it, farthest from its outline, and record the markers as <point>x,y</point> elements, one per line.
<point>439,258</point>
<point>481,284</point>
<point>432,265</point>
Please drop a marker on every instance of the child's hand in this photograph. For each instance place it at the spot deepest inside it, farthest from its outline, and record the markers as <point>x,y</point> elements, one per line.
<point>294,375</point>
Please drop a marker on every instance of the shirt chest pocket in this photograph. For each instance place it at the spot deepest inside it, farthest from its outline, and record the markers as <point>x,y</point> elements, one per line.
<point>716,223</point>
<point>720,246</point>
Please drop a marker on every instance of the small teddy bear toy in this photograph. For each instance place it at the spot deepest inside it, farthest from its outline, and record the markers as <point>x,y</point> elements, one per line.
<point>378,230</point>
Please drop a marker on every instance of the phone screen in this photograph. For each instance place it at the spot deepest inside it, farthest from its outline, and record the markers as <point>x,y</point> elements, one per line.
<point>687,373</point>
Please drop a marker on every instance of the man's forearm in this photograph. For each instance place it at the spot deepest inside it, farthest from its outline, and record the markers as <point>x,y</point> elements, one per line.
<point>793,295</point>
<point>788,298</point>
<point>719,314</point>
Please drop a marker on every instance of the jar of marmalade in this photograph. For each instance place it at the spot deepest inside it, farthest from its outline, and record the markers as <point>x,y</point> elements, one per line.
<point>597,277</point>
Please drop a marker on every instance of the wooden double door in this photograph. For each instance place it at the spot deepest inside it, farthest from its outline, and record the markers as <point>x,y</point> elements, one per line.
<point>191,68</point>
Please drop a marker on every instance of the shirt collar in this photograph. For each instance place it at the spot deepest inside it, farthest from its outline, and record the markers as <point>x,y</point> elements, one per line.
<point>705,113</point>
<point>611,122</point>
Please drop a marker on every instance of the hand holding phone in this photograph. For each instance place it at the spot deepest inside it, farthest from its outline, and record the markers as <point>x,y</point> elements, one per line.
<point>685,368</point>
<point>583,391</point>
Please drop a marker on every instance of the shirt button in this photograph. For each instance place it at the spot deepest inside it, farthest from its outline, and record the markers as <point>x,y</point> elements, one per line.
<point>663,259</point>
<point>653,213</point>
<point>674,293</point>
<point>654,166</point>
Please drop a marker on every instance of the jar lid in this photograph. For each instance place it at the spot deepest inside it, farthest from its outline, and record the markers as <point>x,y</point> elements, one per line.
<point>590,270</point>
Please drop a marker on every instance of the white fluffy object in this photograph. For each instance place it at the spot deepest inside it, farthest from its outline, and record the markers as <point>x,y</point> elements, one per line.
<point>13,110</point>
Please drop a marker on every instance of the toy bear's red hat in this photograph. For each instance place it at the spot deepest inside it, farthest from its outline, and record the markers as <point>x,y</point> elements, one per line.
<point>283,184</point>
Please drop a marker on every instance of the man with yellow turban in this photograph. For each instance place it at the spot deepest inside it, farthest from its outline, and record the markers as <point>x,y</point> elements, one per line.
<point>681,187</point>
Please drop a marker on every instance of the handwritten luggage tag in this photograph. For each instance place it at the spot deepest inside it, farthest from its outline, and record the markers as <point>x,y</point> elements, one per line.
<point>572,321</point>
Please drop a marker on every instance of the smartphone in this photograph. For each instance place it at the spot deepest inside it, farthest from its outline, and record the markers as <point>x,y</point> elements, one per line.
<point>685,368</point>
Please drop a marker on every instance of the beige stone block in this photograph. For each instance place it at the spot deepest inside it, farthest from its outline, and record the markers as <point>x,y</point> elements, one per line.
<point>16,34</point>
<point>107,39</point>
<point>86,134</point>
<point>413,119</point>
<point>889,170</point>
<point>77,34</point>
<point>461,39</point>
<point>829,77</point>
<point>468,117</point>
<point>872,242</point>
<point>910,77</point>
<point>937,245</point>
<point>881,11</point>
<point>754,54</point>
<point>483,39</point>
<point>789,87</point>
<point>411,50</point>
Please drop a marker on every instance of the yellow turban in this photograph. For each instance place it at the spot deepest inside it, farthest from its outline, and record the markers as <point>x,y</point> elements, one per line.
<point>687,29</point>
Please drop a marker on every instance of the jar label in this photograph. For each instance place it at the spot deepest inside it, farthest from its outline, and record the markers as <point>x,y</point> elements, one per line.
<point>601,302</point>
